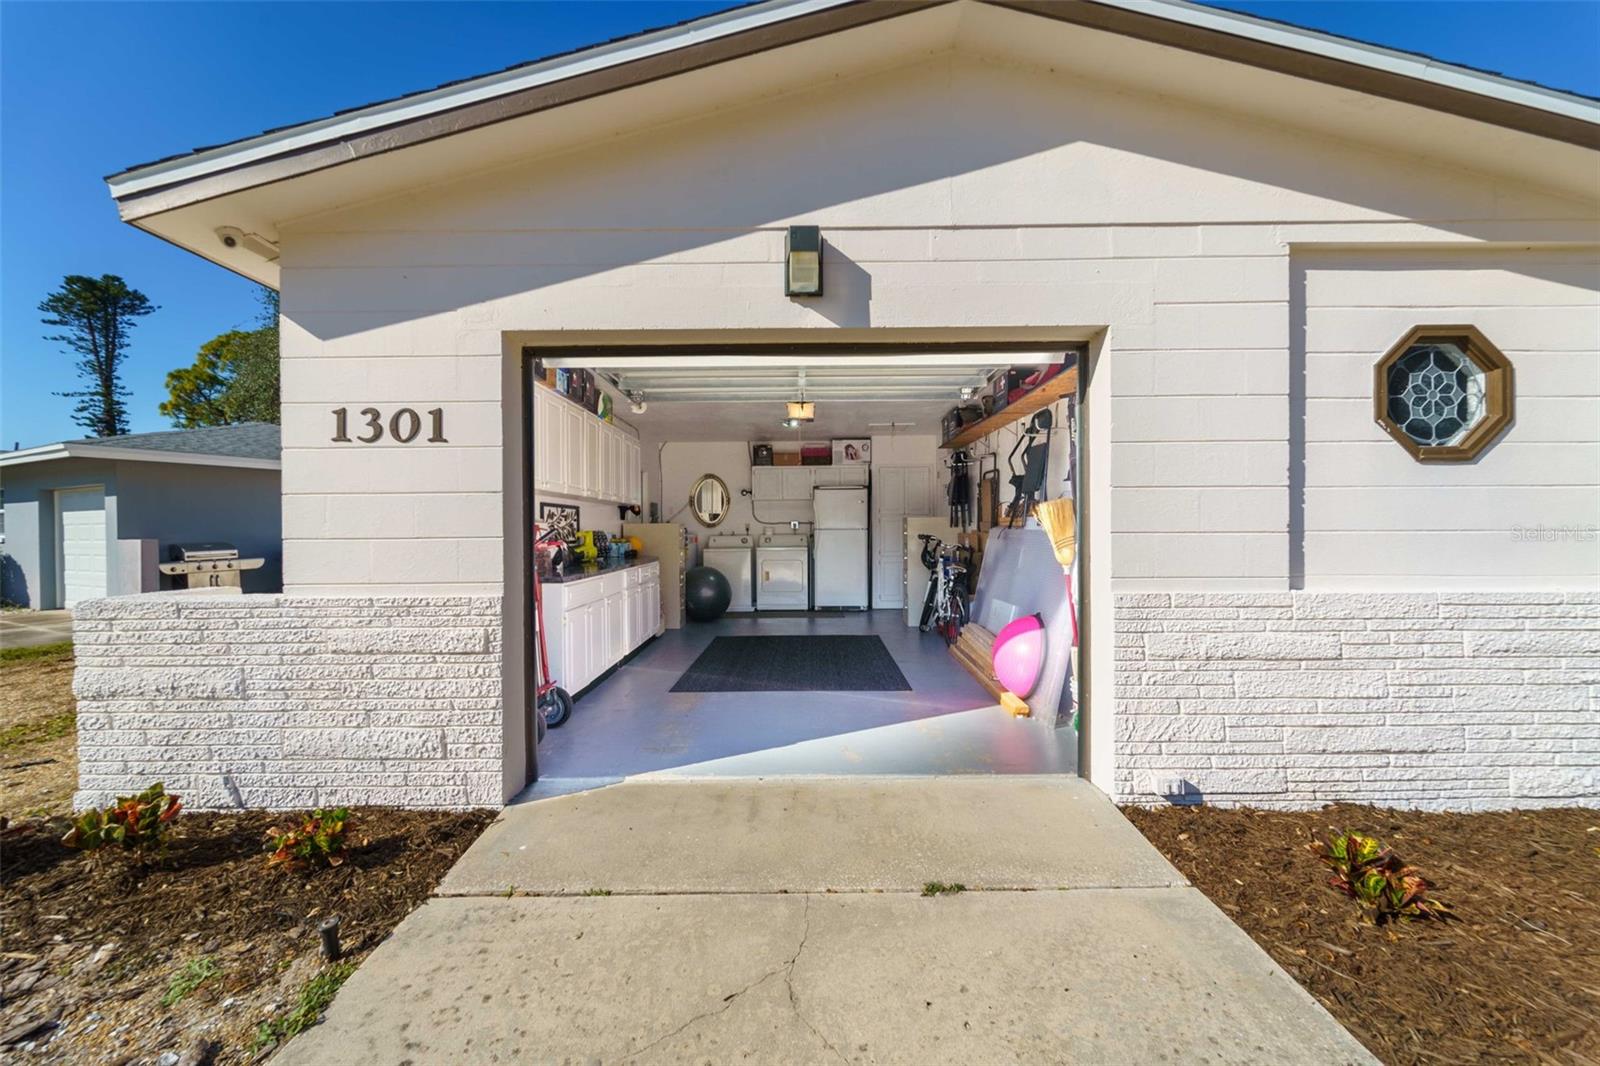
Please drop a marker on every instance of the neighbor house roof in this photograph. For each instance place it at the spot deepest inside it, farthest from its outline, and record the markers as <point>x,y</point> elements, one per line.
<point>456,106</point>
<point>248,445</point>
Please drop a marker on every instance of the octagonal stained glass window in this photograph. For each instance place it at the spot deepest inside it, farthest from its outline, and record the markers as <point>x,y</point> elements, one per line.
<point>1435,393</point>
<point>1444,392</point>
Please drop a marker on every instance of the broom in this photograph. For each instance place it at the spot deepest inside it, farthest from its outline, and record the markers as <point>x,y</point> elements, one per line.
<point>1060,524</point>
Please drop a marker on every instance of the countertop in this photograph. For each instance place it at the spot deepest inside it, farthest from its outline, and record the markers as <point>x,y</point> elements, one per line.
<point>585,571</point>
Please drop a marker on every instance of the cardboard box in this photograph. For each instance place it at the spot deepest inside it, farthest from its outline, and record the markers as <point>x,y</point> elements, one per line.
<point>785,458</point>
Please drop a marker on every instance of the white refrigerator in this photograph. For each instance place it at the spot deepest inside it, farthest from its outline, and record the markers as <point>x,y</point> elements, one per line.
<point>839,548</point>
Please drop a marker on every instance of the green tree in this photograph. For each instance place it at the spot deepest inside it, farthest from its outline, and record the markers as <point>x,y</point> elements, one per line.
<point>234,377</point>
<point>198,394</point>
<point>96,315</point>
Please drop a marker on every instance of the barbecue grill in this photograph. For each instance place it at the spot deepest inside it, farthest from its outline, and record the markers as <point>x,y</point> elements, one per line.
<point>206,566</point>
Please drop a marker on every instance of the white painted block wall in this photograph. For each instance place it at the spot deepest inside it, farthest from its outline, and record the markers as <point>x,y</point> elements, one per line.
<point>290,701</point>
<point>1449,700</point>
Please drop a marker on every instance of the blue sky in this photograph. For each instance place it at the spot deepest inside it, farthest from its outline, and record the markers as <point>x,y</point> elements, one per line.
<point>89,88</point>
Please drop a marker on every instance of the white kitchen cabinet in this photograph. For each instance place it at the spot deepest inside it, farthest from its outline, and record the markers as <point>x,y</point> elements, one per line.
<point>766,483</point>
<point>576,454</point>
<point>652,604</point>
<point>606,484</point>
<point>593,623</point>
<point>635,491</point>
<point>797,482</point>
<point>789,484</point>
<point>619,466</point>
<point>572,480</point>
<point>594,457</point>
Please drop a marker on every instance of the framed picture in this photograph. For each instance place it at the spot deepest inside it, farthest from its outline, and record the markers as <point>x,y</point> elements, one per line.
<point>561,517</point>
<point>852,451</point>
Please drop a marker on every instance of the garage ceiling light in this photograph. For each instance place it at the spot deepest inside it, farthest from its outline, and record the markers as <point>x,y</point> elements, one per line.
<point>802,261</point>
<point>802,411</point>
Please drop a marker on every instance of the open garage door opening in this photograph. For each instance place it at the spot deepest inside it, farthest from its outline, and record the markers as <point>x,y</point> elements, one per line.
<point>761,561</point>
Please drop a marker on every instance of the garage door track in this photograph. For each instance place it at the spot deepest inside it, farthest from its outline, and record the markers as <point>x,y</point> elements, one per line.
<point>865,920</point>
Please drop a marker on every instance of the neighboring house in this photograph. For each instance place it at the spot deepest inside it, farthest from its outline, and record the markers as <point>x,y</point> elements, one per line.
<point>91,518</point>
<point>1338,310</point>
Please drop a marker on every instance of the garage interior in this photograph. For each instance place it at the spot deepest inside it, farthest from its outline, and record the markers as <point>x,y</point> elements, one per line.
<point>807,479</point>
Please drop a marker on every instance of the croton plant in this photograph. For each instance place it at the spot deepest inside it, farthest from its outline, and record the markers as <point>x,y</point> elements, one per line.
<point>317,839</point>
<point>1374,876</point>
<point>134,823</point>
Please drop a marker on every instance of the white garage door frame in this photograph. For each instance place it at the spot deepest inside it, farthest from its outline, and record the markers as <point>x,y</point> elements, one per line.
<point>734,349</point>
<point>71,590</point>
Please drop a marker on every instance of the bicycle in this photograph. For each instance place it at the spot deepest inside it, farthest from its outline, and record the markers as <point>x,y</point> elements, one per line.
<point>944,608</point>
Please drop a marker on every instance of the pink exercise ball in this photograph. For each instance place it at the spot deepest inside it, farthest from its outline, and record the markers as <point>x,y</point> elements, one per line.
<point>1019,654</point>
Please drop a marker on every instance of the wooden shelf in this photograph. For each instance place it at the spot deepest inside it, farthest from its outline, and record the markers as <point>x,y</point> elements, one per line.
<point>1062,385</point>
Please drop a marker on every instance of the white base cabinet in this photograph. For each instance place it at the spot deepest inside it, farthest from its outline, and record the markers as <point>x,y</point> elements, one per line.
<point>576,454</point>
<point>593,623</point>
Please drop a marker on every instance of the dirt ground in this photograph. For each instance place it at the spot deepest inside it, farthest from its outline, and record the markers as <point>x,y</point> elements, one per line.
<point>1515,978</point>
<point>93,946</point>
<point>98,951</point>
<point>38,740</point>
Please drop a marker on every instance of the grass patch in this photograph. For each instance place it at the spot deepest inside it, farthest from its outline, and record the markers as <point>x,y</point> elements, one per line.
<point>195,973</point>
<point>59,650</point>
<point>939,888</point>
<point>315,995</point>
<point>37,730</point>
<point>597,892</point>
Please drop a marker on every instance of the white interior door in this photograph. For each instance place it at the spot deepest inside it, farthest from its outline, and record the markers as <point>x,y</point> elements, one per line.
<point>897,492</point>
<point>81,543</point>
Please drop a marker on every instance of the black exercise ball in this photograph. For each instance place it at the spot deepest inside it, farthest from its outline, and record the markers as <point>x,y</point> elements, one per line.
<point>706,594</point>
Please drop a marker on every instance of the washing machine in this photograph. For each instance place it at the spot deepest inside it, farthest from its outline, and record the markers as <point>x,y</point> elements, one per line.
<point>783,572</point>
<point>730,553</point>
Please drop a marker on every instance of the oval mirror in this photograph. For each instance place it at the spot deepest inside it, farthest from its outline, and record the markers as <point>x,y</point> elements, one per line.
<point>710,500</point>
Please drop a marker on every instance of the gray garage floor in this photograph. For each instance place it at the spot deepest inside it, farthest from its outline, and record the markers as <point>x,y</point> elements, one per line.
<point>784,922</point>
<point>631,723</point>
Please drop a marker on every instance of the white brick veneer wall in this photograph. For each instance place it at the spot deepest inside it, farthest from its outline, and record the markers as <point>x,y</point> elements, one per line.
<point>1293,699</point>
<point>291,701</point>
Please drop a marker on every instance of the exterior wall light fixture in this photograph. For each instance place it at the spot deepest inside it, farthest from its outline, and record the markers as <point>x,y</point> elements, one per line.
<point>802,261</point>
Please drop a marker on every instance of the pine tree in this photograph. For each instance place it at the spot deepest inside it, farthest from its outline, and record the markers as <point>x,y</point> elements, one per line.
<point>97,315</point>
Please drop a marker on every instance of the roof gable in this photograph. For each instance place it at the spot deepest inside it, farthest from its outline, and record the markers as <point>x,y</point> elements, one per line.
<point>1210,57</point>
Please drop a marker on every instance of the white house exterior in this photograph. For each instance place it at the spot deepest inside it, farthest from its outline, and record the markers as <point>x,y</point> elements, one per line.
<point>1281,605</point>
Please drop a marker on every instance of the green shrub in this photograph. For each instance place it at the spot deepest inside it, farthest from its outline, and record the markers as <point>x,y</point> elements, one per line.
<point>1373,875</point>
<point>134,823</point>
<point>316,841</point>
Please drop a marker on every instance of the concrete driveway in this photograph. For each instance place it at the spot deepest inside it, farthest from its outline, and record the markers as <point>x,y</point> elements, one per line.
<point>784,921</point>
<point>29,629</point>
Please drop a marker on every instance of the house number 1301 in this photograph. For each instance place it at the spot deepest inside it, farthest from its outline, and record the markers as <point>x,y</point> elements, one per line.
<point>405,425</point>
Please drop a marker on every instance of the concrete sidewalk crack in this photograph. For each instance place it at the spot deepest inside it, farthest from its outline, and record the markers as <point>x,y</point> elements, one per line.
<point>727,1003</point>
<point>788,982</point>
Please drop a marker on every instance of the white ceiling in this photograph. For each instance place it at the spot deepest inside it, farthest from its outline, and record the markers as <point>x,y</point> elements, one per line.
<point>758,420</point>
<point>724,397</point>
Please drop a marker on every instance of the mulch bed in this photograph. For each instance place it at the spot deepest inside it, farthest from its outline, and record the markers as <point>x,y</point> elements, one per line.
<point>1514,978</point>
<point>210,896</point>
